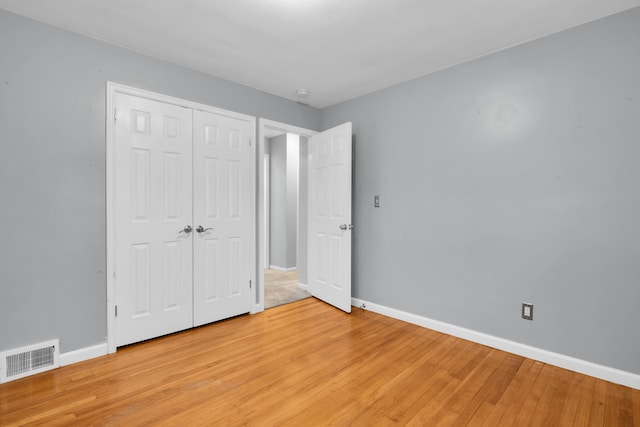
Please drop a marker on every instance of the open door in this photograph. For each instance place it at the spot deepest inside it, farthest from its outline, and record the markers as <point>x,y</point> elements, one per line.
<point>330,216</point>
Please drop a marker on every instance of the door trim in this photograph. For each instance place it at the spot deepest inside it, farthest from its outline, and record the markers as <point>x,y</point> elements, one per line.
<point>266,127</point>
<point>111,90</point>
<point>266,183</point>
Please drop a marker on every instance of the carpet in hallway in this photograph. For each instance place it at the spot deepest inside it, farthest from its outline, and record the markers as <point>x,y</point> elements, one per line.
<point>282,288</point>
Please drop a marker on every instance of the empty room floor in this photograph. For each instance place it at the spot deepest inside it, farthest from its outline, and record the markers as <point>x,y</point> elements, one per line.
<point>307,363</point>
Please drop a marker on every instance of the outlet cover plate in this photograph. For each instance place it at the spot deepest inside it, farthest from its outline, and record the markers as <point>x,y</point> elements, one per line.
<point>527,311</point>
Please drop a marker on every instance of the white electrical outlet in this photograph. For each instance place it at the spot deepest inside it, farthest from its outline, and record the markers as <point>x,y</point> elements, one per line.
<point>527,311</point>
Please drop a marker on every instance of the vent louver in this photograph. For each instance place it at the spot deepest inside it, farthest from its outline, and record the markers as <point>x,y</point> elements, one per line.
<point>29,360</point>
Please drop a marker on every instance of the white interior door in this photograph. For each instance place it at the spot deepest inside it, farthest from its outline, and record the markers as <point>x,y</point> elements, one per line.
<point>153,256</point>
<point>330,216</point>
<point>223,162</point>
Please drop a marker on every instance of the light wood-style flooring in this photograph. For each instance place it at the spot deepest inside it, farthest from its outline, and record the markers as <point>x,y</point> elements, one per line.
<point>308,364</point>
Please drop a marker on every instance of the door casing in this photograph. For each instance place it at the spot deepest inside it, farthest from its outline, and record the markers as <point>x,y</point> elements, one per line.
<point>112,89</point>
<point>266,164</point>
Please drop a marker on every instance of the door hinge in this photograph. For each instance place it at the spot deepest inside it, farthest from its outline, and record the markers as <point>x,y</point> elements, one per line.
<point>250,142</point>
<point>115,116</point>
<point>116,311</point>
<point>250,284</point>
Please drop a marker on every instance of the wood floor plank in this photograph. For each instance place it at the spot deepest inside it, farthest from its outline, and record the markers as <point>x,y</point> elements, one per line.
<point>508,407</point>
<point>393,394</point>
<point>550,406</point>
<point>531,398</point>
<point>597,409</point>
<point>618,408</point>
<point>365,369</point>
<point>309,364</point>
<point>577,394</point>
<point>490,391</point>
<point>463,397</point>
<point>635,403</point>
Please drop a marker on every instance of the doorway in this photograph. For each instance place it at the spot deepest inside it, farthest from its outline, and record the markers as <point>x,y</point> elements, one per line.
<point>282,213</point>
<point>327,211</point>
<point>285,232</point>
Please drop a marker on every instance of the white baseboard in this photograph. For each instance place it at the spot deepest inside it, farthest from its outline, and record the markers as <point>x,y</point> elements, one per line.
<point>577,365</point>
<point>303,286</point>
<point>83,354</point>
<point>276,268</point>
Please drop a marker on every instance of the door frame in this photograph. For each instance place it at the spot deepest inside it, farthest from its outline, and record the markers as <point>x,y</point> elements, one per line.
<point>265,127</point>
<point>111,90</point>
<point>266,185</point>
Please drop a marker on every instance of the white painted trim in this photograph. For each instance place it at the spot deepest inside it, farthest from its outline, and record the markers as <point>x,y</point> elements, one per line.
<point>253,292</point>
<point>303,286</point>
<point>263,126</point>
<point>283,269</point>
<point>266,186</point>
<point>297,149</point>
<point>567,362</point>
<point>110,217</point>
<point>111,89</point>
<point>83,354</point>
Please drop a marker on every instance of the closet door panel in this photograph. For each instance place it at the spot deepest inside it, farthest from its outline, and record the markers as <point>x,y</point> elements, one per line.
<point>222,216</point>
<point>153,205</point>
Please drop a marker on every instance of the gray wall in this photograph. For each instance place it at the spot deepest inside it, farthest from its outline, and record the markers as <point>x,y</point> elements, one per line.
<point>510,178</point>
<point>52,171</point>
<point>293,161</point>
<point>278,201</point>
<point>288,204</point>
<point>283,202</point>
<point>303,211</point>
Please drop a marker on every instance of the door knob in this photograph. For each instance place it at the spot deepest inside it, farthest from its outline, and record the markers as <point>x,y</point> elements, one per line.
<point>201,229</point>
<point>346,227</point>
<point>186,230</point>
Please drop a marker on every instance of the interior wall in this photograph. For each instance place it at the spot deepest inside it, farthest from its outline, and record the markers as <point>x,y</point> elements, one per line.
<point>293,166</point>
<point>278,202</point>
<point>511,178</point>
<point>52,171</point>
<point>283,201</point>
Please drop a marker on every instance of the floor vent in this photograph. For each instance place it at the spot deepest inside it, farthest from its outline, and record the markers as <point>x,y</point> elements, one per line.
<point>29,360</point>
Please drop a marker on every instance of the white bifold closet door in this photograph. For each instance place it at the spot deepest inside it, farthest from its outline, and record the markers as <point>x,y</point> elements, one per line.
<point>182,212</point>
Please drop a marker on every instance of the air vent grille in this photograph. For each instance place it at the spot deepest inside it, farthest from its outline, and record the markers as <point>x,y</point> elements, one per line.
<point>21,362</point>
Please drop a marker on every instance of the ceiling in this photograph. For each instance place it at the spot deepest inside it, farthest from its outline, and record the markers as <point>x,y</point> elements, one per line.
<point>336,49</point>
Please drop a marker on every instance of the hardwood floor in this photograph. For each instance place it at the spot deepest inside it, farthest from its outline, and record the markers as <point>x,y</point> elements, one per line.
<point>308,364</point>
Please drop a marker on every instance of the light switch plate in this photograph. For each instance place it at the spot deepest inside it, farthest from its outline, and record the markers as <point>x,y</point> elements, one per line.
<point>376,201</point>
